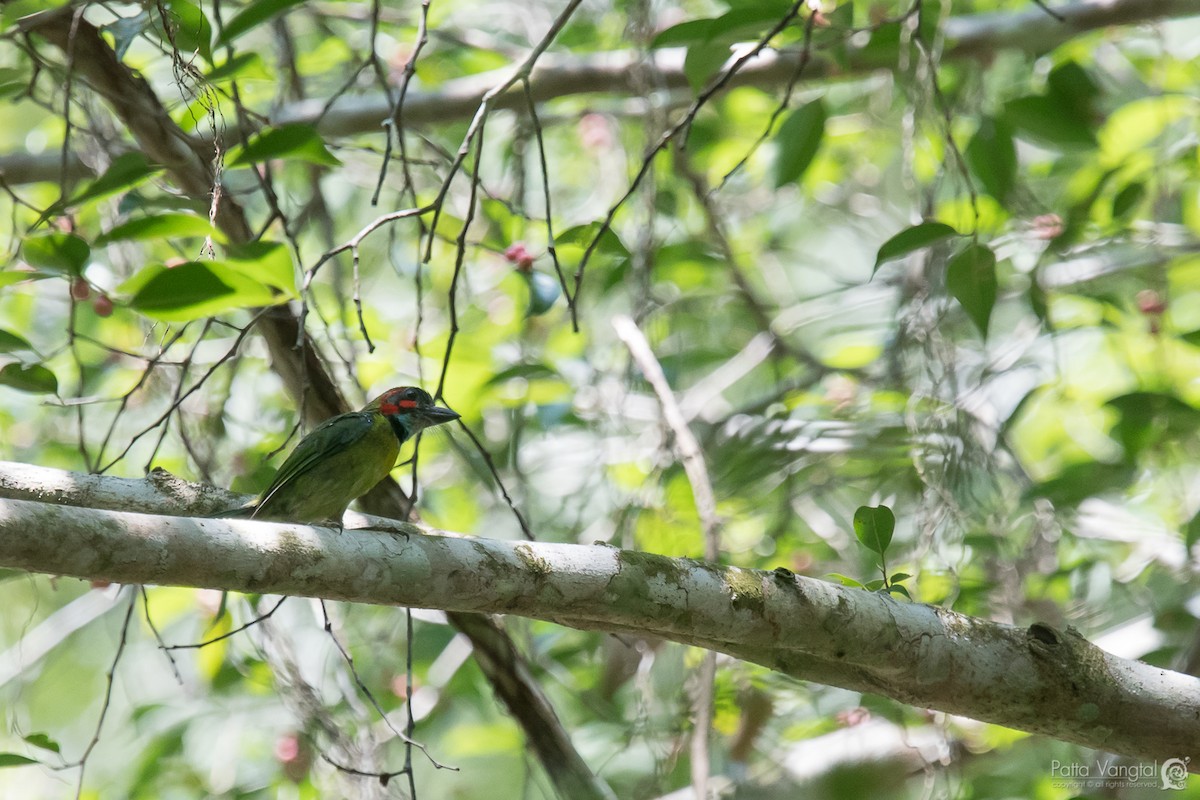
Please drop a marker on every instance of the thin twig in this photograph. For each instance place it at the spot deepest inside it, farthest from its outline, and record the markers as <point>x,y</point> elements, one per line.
<point>227,634</point>
<point>108,687</point>
<point>686,444</point>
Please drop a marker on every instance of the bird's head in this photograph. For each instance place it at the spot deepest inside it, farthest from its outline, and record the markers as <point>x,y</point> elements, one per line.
<point>409,410</point>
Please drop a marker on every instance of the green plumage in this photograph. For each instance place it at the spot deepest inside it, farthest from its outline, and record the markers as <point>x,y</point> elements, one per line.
<point>344,457</point>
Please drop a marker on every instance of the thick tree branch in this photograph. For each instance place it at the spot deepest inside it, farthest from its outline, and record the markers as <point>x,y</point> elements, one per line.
<point>1038,679</point>
<point>975,37</point>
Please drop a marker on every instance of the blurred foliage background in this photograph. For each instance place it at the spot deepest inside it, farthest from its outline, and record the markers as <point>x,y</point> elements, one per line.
<point>946,258</point>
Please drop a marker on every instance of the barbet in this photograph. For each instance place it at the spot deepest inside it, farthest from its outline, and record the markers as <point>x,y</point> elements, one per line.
<point>344,457</point>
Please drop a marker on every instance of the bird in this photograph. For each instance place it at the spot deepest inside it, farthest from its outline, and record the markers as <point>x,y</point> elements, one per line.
<point>344,457</point>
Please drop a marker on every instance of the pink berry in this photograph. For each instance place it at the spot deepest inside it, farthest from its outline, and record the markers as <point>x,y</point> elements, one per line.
<point>519,255</point>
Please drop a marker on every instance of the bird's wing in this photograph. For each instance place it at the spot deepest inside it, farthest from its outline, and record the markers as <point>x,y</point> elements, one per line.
<point>326,440</point>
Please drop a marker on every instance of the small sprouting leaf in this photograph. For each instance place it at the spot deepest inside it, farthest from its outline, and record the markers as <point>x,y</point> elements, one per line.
<point>845,580</point>
<point>543,291</point>
<point>124,173</point>
<point>57,252</point>
<point>873,525</point>
<point>798,140</point>
<point>896,588</point>
<point>296,142</point>
<point>252,16</point>
<point>900,576</point>
<point>912,239</point>
<point>971,280</point>
<point>993,157</point>
<point>32,378</point>
<point>171,225</point>
<point>873,586</point>
<point>14,760</point>
<point>43,741</point>
<point>11,342</point>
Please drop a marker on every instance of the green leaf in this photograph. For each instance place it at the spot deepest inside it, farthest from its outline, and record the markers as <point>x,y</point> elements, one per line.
<point>194,290</point>
<point>693,31</point>
<point>883,48</point>
<point>874,525</point>
<point>993,157</point>
<point>1148,418</point>
<point>191,29</point>
<point>14,760</point>
<point>531,372</point>
<point>252,16</point>
<point>873,586</point>
<point>896,588</point>
<point>57,252</point>
<point>798,140</point>
<point>746,21</point>
<point>11,276</point>
<point>1192,532</point>
<point>13,81</point>
<point>295,142</point>
<point>610,256</point>
<point>900,576</point>
<point>1071,85</point>
<point>43,741</point>
<point>265,262</point>
<point>971,280</point>
<point>171,225</point>
<point>1077,482</point>
<point>242,65</point>
<point>32,378</point>
<point>1128,199</point>
<point>702,62</point>
<point>10,342</point>
<point>912,239</point>
<point>125,31</point>
<point>1136,125</point>
<point>582,235</point>
<point>1047,121</point>
<point>124,173</point>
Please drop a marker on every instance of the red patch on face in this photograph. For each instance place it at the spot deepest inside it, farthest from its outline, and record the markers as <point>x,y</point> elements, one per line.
<point>407,404</point>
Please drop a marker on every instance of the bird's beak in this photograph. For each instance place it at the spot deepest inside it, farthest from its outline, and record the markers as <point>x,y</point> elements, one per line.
<point>436,415</point>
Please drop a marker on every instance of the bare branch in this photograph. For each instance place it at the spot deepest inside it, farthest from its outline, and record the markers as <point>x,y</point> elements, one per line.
<point>1037,679</point>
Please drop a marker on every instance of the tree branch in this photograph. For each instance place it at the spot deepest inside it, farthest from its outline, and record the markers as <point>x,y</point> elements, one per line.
<point>975,37</point>
<point>1038,679</point>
